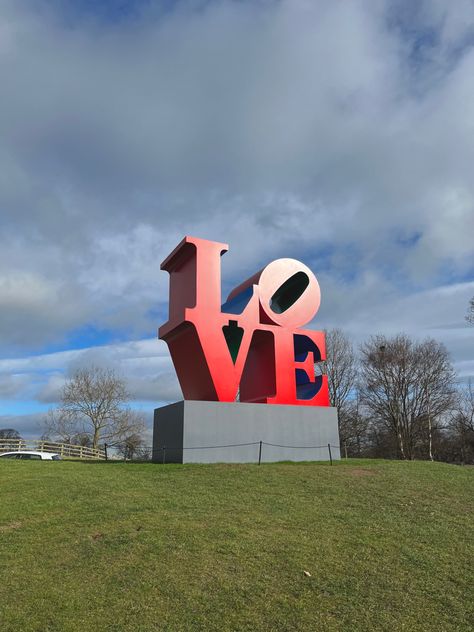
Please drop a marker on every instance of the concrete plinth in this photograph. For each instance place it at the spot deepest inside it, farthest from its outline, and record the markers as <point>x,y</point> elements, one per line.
<point>189,431</point>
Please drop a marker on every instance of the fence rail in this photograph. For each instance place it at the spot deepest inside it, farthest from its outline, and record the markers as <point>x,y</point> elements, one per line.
<point>64,449</point>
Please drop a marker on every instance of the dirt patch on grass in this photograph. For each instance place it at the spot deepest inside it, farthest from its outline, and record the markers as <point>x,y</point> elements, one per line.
<point>360,471</point>
<point>9,527</point>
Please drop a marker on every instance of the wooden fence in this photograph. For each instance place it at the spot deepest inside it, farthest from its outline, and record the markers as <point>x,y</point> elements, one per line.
<point>64,449</point>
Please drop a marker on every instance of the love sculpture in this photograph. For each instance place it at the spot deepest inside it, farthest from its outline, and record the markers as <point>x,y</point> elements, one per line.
<point>253,344</point>
<point>234,357</point>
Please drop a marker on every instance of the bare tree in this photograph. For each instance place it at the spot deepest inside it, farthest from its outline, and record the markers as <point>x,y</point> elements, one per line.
<point>470,312</point>
<point>353,428</point>
<point>144,453</point>
<point>462,422</point>
<point>408,387</point>
<point>61,424</point>
<point>465,406</point>
<point>94,403</point>
<point>7,435</point>
<point>341,368</point>
<point>434,366</point>
<point>131,446</point>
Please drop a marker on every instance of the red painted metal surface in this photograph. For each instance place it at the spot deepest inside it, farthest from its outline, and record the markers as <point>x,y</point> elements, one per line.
<point>253,342</point>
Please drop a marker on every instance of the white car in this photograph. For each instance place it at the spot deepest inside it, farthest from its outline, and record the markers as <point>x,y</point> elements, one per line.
<point>30,454</point>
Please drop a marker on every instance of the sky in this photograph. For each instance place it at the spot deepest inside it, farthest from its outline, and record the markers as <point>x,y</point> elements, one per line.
<point>337,133</point>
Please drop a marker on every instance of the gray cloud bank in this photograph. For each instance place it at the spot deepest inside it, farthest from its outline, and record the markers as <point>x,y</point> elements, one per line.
<point>338,133</point>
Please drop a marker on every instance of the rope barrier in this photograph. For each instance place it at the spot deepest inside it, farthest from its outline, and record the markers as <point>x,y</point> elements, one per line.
<point>207,447</point>
<point>237,445</point>
<point>306,447</point>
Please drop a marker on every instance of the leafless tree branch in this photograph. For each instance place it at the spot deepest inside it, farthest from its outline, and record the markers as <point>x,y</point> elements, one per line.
<point>94,404</point>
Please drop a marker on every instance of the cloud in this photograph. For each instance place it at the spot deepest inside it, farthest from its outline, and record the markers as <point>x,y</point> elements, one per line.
<point>29,426</point>
<point>12,385</point>
<point>335,133</point>
<point>144,365</point>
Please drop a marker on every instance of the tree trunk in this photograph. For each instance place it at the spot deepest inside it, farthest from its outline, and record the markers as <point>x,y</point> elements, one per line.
<point>400,440</point>
<point>95,441</point>
<point>430,432</point>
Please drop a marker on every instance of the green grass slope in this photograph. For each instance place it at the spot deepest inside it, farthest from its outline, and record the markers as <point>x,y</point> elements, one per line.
<point>119,547</point>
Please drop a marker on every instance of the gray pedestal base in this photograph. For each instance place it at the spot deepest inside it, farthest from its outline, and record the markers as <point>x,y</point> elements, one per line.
<point>189,431</point>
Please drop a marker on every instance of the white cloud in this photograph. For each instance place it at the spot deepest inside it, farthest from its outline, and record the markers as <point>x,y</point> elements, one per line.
<point>144,364</point>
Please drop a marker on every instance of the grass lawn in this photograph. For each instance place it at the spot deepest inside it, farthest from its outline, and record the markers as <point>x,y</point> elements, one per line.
<point>137,547</point>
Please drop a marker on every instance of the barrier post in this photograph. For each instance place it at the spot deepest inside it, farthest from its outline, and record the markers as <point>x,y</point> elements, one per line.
<point>260,453</point>
<point>330,455</point>
<point>164,454</point>
<point>105,450</point>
